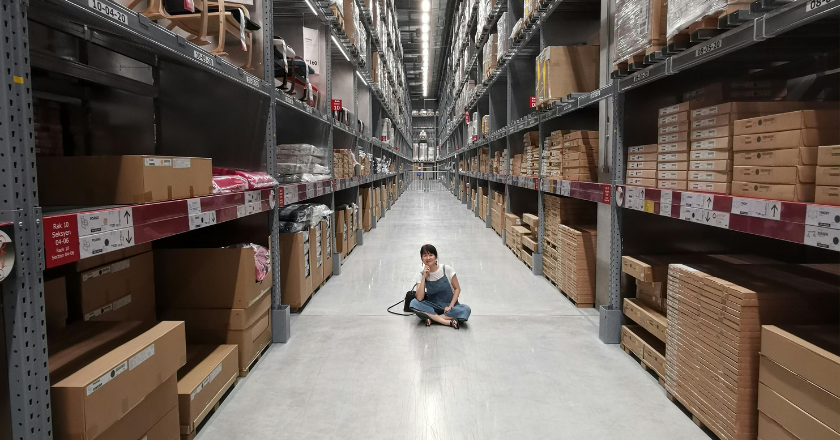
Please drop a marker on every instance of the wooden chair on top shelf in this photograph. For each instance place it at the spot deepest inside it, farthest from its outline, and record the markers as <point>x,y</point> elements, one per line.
<point>219,21</point>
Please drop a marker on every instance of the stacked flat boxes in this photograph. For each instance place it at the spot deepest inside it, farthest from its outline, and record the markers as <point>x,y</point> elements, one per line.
<point>484,160</point>
<point>641,165</point>
<point>552,163</point>
<point>497,211</point>
<point>343,164</point>
<point>672,148</point>
<point>577,264</point>
<point>516,165</point>
<point>784,131</point>
<point>531,154</point>
<point>580,156</point>
<point>715,314</point>
<point>485,126</point>
<point>490,55</point>
<point>559,211</point>
<point>828,175</point>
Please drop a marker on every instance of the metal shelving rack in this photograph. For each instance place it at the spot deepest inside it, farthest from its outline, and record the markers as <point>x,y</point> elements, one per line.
<point>742,33</point>
<point>25,396</point>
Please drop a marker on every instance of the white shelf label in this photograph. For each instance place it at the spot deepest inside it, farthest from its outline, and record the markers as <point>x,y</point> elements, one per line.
<point>310,190</point>
<point>665,209</point>
<point>666,198</point>
<point>769,209</point>
<point>290,194</point>
<point>319,190</point>
<point>202,220</point>
<point>112,12</point>
<point>103,221</point>
<point>193,206</point>
<point>253,208</point>
<point>713,218</point>
<point>741,206</point>
<point>241,211</point>
<point>106,242</point>
<point>822,237</point>
<point>565,188</point>
<point>823,216</point>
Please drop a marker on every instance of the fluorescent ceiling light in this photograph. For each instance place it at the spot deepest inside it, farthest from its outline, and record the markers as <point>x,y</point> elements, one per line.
<point>426,5</point>
<point>361,78</point>
<point>425,18</point>
<point>425,37</point>
<point>340,48</point>
<point>311,7</point>
<point>425,28</point>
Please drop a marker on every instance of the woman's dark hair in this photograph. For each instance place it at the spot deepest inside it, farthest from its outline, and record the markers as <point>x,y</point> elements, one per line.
<point>428,249</point>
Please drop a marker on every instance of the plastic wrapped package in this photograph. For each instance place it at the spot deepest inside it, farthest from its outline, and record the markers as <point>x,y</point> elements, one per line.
<point>297,213</point>
<point>262,259</point>
<point>301,149</point>
<point>502,40</point>
<point>683,13</point>
<point>255,179</point>
<point>292,168</point>
<point>229,184</point>
<point>638,26</point>
<point>291,227</point>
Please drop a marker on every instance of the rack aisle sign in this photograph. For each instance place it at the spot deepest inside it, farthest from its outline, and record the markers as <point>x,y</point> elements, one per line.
<point>335,105</point>
<point>533,102</point>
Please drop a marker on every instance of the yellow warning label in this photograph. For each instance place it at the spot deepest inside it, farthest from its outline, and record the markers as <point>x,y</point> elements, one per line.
<point>649,206</point>
<point>18,79</point>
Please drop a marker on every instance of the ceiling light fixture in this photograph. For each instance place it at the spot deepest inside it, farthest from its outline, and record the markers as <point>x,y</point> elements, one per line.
<point>425,18</point>
<point>426,5</point>
<point>425,28</point>
<point>361,77</point>
<point>311,7</point>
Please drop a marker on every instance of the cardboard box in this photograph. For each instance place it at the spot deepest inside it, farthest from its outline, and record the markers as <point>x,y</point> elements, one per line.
<point>768,429</point>
<point>672,118</point>
<point>512,220</point>
<point>316,263</point>
<point>710,165</point>
<point>644,269</point>
<point>672,175</point>
<point>83,404</point>
<point>796,120</point>
<point>828,176</point>
<point>757,107</point>
<point>810,352</point>
<point>641,157</point>
<point>212,278</point>
<point>295,271</point>
<point>781,140</point>
<point>121,180</point>
<point>681,107</point>
<point>711,133</point>
<point>672,157</point>
<point>641,165</point>
<point>673,147</point>
<point>791,193</point>
<point>709,176</point>
<point>531,220</point>
<point>715,187</point>
<point>827,195</point>
<point>784,175</point>
<point>672,166</point>
<point>724,120</point>
<point>327,248</point>
<point>667,138</point>
<point>777,158</point>
<point>709,155</point>
<point>120,291</point>
<point>714,144</point>
<point>679,127</point>
<point>637,181</point>
<point>652,148</point>
<point>791,417</point>
<point>829,155</point>
<point>641,174</point>
<point>110,257</point>
<point>157,412</point>
<point>812,399</point>
<point>55,303</point>
<point>209,372</point>
<point>671,184</point>
<point>566,69</point>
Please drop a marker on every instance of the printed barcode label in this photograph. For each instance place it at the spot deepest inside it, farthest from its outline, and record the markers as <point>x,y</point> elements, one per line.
<point>193,206</point>
<point>156,162</point>
<point>105,378</point>
<point>141,357</point>
<point>181,163</point>
<point>241,211</point>
<point>206,381</point>
<point>122,302</point>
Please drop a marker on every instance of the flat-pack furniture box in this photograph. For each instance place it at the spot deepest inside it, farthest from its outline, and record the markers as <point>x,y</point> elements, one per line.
<point>121,180</point>
<point>566,69</point>
<point>295,270</point>
<point>121,291</point>
<point>209,372</point>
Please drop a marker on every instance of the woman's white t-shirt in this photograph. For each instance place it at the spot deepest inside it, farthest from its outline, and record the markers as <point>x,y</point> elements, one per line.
<point>438,274</point>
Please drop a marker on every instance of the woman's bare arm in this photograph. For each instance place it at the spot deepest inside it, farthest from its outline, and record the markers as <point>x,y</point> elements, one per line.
<point>456,290</point>
<point>420,293</point>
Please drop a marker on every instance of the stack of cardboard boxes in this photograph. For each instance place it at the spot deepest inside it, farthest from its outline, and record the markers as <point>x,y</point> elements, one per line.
<point>528,238</point>
<point>220,301</point>
<point>530,165</point>
<point>798,390</point>
<point>343,164</point>
<point>511,239</point>
<point>516,165</point>
<point>552,163</point>
<point>580,156</point>
<point>714,334</point>
<point>485,126</point>
<point>497,211</point>
<point>484,160</point>
<point>561,211</point>
<point>562,70</point>
<point>366,196</point>
<point>784,180</point>
<point>828,175</point>
<point>577,264</point>
<point>672,149</point>
<point>642,166</point>
<point>490,58</point>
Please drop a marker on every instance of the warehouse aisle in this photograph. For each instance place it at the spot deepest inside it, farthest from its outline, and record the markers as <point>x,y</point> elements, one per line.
<point>527,364</point>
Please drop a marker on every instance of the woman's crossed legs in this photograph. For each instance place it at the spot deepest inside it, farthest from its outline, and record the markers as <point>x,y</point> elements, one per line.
<point>424,310</point>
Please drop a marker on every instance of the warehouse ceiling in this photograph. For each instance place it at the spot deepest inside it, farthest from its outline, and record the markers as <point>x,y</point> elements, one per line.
<point>409,14</point>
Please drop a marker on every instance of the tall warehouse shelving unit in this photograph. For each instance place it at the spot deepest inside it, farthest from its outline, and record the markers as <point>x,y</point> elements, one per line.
<point>137,87</point>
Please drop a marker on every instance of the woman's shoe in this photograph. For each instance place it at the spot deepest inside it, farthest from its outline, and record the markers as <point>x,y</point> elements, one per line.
<point>454,323</point>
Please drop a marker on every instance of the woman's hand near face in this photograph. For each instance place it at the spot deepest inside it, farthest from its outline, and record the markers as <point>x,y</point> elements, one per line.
<point>426,271</point>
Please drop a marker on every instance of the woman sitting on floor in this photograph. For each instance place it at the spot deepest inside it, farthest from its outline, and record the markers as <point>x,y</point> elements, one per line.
<point>437,292</point>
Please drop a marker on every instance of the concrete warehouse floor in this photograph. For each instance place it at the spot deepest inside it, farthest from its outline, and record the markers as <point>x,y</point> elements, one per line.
<point>527,365</point>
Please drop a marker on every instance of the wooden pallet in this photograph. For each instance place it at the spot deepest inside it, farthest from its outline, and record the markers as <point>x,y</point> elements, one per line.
<point>578,305</point>
<point>637,58</point>
<point>210,410</point>
<point>645,366</point>
<point>244,372</point>
<point>698,418</point>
